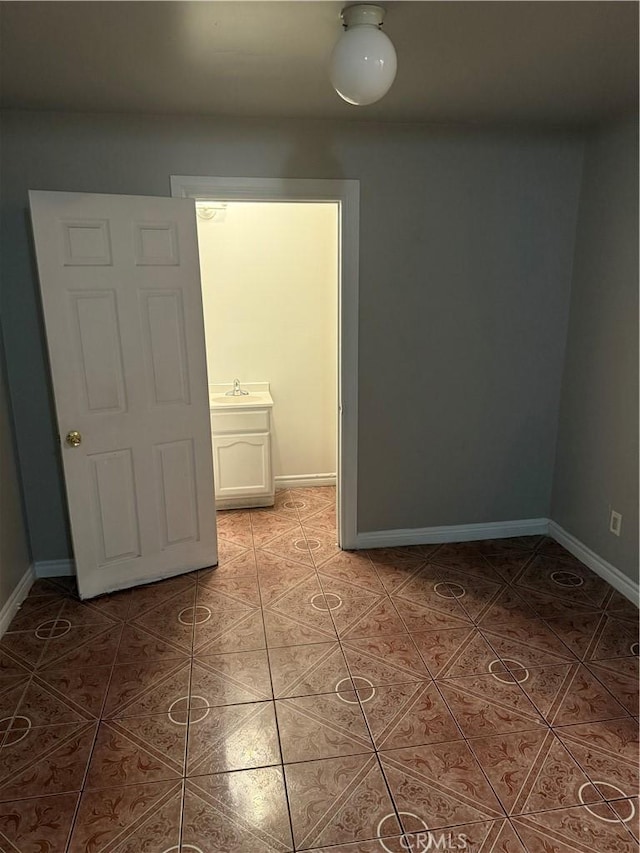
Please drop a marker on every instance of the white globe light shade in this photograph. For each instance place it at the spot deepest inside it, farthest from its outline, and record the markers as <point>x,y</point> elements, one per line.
<point>363,65</point>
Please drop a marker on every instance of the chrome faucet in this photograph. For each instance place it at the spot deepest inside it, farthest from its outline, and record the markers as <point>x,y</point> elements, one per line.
<point>237,390</point>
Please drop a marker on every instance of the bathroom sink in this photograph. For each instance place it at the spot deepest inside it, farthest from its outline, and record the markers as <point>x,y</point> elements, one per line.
<point>242,400</point>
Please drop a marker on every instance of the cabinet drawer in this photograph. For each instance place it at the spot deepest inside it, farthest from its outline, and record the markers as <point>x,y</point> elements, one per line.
<point>254,421</point>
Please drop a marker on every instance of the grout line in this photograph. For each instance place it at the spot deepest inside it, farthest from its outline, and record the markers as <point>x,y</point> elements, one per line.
<point>185,754</point>
<point>380,767</point>
<point>448,707</point>
<point>95,738</point>
<point>559,809</point>
<point>275,712</point>
<point>32,672</point>
<point>183,793</point>
<point>603,684</point>
<point>12,717</point>
<point>391,797</point>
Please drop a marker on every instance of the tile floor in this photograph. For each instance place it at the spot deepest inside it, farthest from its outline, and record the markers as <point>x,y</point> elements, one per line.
<point>302,698</point>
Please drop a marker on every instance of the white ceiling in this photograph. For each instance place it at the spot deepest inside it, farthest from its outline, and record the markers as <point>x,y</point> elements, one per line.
<point>551,62</point>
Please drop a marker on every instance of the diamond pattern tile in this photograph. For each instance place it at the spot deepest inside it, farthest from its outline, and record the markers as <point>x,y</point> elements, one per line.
<point>44,705</point>
<point>409,714</point>
<point>133,750</point>
<point>597,636</point>
<point>395,567</point>
<point>130,818</point>
<point>438,785</point>
<point>338,800</point>
<point>41,823</point>
<point>568,694</point>
<point>384,660</point>
<point>229,631</point>
<point>232,737</point>
<point>291,546</point>
<point>322,726</point>
<point>496,836</point>
<point>300,614</point>
<point>581,829</point>
<point>489,704</point>
<point>478,696</point>
<point>147,688</point>
<point>235,527</point>
<point>322,546</point>
<point>267,526</point>
<point>430,588</point>
<point>355,568</point>
<point>608,753</point>
<point>46,760</point>
<point>230,678</point>
<point>213,821</point>
<point>559,578</point>
<point>81,647</point>
<point>456,651</point>
<point>358,612</point>
<point>620,677</point>
<point>307,670</point>
<point>532,771</point>
<point>277,576</point>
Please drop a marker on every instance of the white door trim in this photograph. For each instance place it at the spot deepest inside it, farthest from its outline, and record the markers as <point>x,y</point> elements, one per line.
<point>347,194</point>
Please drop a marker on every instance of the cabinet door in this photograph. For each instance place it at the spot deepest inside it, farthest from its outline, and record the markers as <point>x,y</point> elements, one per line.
<point>242,465</point>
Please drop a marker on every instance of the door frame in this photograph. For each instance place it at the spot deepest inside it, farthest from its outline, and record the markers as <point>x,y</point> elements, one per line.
<point>346,193</point>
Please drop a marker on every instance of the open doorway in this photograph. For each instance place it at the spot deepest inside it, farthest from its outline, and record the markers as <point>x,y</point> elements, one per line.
<point>331,333</point>
<point>269,273</point>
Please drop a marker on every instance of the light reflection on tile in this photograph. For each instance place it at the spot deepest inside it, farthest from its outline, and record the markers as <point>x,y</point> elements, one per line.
<point>349,686</point>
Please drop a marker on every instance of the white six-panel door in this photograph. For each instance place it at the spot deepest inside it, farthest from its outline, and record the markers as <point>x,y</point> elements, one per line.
<point>120,283</point>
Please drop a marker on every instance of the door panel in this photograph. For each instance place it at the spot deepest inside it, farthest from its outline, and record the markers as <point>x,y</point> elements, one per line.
<point>86,243</point>
<point>166,346</point>
<point>156,244</point>
<point>115,511</point>
<point>176,487</point>
<point>99,350</point>
<point>120,285</point>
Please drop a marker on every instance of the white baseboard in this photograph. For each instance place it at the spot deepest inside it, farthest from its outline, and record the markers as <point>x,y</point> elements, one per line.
<point>393,539</point>
<point>12,604</point>
<point>626,586</point>
<point>299,481</point>
<point>54,568</point>
<point>451,533</point>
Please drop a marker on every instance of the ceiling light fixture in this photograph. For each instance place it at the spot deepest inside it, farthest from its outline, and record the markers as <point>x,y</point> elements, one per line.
<point>363,63</point>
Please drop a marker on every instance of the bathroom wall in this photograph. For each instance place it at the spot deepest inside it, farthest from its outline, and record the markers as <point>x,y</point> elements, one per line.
<point>270,292</point>
<point>597,459</point>
<point>466,250</point>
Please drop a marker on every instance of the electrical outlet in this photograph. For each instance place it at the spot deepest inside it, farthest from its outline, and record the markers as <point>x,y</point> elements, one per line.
<point>615,523</point>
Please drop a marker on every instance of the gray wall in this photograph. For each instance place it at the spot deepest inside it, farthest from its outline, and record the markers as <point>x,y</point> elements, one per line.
<point>466,252</point>
<point>597,458</point>
<point>14,550</point>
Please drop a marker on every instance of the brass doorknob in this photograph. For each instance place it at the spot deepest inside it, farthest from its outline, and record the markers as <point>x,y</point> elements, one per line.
<point>73,438</point>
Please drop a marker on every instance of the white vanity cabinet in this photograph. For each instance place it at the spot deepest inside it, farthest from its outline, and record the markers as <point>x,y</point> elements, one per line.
<point>241,436</point>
